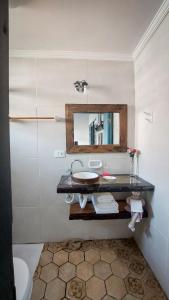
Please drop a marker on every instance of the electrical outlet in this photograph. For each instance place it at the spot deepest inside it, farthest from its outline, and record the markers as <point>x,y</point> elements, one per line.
<point>59,153</point>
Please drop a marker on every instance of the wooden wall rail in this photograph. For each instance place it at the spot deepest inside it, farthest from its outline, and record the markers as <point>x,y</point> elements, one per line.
<point>57,119</point>
<point>31,118</point>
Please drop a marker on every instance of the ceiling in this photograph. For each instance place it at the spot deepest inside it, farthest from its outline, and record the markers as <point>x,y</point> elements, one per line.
<point>114,26</point>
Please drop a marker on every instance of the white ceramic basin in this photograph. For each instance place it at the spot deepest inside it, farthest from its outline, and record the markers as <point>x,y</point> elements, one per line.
<point>23,280</point>
<point>85,177</point>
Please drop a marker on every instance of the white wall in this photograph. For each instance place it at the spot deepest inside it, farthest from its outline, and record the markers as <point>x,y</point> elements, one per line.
<point>152,95</point>
<point>42,87</point>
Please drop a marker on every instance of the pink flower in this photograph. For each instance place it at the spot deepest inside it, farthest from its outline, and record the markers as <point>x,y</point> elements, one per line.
<point>133,151</point>
<point>138,152</point>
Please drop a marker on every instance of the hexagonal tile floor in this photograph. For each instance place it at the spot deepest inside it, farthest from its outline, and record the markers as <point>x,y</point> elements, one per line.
<point>94,270</point>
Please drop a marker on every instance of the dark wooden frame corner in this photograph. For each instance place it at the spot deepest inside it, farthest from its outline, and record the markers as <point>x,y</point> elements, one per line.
<point>70,109</point>
<point>7,282</point>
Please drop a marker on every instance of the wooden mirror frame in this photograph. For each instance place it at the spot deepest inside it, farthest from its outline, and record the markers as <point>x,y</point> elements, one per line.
<point>70,109</point>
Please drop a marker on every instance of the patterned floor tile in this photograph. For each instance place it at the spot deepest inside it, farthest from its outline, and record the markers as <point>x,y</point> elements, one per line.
<point>107,297</point>
<point>108,255</point>
<point>137,267</point>
<point>85,270</point>
<point>135,286</point>
<point>94,270</point>
<point>46,258</point>
<point>75,289</point>
<point>92,256</point>
<point>55,290</point>
<point>37,272</point>
<point>130,297</point>
<point>76,257</point>
<point>54,247</point>
<point>154,296</point>
<point>67,272</point>
<point>60,257</point>
<point>119,268</point>
<point>38,289</point>
<point>122,253</point>
<point>102,270</point>
<point>49,272</point>
<point>115,287</point>
<point>95,288</point>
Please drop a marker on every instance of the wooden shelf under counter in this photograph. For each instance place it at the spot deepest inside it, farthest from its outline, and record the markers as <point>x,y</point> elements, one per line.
<point>88,213</point>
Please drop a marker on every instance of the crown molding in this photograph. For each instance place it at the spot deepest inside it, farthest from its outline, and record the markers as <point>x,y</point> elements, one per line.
<point>51,54</point>
<point>157,20</point>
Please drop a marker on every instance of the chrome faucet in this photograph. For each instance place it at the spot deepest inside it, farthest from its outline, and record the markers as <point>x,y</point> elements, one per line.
<point>76,160</point>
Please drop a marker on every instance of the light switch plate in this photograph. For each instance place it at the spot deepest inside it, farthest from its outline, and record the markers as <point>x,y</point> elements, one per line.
<point>148,116</point>
<point>59,154</point>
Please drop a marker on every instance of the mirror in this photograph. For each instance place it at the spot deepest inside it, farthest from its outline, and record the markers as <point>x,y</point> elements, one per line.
<point>96,128</point>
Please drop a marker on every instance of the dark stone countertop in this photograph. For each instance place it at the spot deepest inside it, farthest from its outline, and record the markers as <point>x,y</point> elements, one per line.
<point>122,183</point>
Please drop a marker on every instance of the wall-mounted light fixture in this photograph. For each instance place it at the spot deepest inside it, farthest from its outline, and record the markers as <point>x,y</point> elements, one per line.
<point>80,86</point>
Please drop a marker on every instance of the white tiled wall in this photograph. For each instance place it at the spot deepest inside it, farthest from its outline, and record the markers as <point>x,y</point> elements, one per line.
<point>152,95</point>
<point>42,87</point>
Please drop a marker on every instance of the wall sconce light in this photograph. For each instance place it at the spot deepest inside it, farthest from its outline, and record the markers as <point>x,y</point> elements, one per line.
<point>81,86</point>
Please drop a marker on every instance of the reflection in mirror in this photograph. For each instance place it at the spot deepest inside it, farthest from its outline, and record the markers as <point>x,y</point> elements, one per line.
<point>96,128</point>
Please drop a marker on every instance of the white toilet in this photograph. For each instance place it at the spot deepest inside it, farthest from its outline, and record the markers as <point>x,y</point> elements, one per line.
<point>23,280</point>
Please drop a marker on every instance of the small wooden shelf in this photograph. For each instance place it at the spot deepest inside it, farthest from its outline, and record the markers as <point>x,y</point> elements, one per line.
<point>88,213</point>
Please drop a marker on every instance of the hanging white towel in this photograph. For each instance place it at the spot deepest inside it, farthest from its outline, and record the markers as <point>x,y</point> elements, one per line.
<point>136,206</point>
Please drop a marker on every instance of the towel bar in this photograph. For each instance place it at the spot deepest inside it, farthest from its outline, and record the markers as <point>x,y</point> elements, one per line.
<point>56,118</point>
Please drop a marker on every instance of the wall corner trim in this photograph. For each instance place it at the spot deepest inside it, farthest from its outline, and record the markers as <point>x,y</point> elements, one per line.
<point>54,54</point>
<point>157,20</point>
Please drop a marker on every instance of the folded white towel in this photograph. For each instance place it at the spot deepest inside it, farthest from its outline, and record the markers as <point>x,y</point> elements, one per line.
<point>105,198</point>
<point>105,204</point>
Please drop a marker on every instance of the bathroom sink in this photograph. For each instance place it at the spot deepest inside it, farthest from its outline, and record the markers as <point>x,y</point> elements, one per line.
<point>85,177</point>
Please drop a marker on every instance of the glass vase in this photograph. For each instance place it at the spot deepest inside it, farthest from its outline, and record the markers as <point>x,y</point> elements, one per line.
<point>132,166</point>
